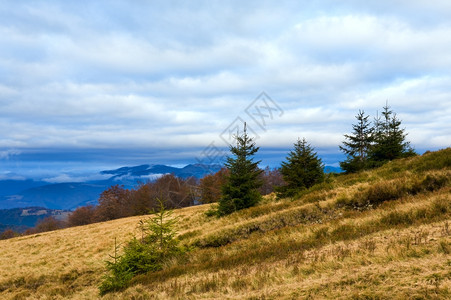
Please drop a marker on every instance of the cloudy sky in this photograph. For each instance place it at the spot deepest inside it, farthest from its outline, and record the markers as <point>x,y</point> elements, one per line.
<point>106,83</point>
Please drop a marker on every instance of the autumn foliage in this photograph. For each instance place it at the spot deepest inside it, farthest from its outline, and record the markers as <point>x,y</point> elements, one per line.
<point>117,202</point>
<point>210,186</point>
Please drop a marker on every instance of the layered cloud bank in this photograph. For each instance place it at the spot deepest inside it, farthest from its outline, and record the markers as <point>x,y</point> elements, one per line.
<point>122,75</point>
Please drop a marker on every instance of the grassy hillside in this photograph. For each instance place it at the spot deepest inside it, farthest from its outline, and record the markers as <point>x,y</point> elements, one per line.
<point>381,234</point>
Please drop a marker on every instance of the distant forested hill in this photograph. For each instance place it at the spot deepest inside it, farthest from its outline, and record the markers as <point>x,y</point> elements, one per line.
<point>20,219</point>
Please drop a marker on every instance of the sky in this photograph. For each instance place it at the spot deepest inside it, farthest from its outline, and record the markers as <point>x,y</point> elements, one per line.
<point>99,84</point>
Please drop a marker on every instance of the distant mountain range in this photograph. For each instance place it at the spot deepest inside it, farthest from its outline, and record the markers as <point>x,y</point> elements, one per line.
<point>70,195</point>
<point>150,171</point>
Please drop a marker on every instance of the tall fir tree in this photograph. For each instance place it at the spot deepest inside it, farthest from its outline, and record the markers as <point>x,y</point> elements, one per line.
<point>389,139</point>
<point>302,169</point>
<point>357,146</point>
<point>243,181</point>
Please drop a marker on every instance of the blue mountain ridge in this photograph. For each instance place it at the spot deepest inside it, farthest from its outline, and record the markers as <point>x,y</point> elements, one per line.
<point>70,195</point>
<point>11,187</point>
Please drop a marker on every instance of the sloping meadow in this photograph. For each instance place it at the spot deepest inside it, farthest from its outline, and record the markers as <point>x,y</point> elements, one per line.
<point>384,233</point>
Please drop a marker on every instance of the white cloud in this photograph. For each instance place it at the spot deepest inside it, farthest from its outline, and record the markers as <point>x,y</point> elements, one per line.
<point>11,176</point>
<point>64,178</point>
<point>8,153</point>
<point>170,75</point>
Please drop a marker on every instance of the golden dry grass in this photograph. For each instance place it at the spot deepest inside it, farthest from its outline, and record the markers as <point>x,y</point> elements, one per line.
<point>310,247</point>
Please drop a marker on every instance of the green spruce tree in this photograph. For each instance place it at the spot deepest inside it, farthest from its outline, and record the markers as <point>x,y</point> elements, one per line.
<point>389,139</point>
<point>242,183</point>
<point>357,146</point>
<point>157,244</point>
<point>302,169</point>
